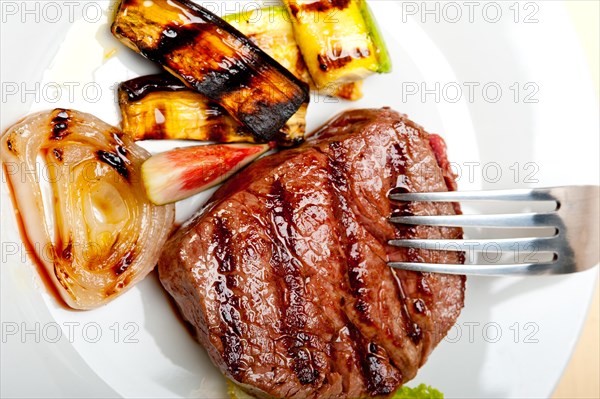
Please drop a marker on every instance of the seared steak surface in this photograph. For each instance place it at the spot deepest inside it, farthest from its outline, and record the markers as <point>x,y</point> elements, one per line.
<point>284,275</point>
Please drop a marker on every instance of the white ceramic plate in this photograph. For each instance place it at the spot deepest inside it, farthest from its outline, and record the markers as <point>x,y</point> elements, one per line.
<point>527,115</point>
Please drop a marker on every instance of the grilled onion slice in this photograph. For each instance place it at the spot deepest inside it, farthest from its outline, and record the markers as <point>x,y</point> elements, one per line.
<point>76,186</point>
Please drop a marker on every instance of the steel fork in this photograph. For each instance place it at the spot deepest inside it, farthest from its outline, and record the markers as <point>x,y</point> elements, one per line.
<point>574,244</point>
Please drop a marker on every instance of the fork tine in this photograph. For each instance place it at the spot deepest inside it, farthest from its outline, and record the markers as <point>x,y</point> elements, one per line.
<point>502,220</point>
<point>535,194</point>
<point>574,219</point>
<point>537,244</point>
<point>481,270</point>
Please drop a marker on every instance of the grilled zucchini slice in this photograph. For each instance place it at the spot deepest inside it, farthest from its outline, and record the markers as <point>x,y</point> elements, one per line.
<point>209,55</point>
<point>162,107</point>
<point>271,29</point>
<point>339,40</point>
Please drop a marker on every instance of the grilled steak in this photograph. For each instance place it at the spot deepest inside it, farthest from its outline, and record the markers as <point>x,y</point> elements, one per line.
<point>283,275</point>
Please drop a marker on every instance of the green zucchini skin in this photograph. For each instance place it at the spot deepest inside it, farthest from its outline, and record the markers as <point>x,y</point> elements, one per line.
<point>382,53</point>
<point>339,40</point>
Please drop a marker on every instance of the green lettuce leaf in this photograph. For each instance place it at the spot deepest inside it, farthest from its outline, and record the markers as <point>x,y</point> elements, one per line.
<point>421,392</point>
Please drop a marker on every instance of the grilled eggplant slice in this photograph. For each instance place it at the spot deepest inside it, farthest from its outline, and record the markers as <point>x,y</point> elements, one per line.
<point>209,55</point>
<point>162,107</point>
<point>271,29</point>
<point>339,40</point>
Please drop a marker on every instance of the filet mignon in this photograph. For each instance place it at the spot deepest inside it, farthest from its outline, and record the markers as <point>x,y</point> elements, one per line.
<point>283,274</point>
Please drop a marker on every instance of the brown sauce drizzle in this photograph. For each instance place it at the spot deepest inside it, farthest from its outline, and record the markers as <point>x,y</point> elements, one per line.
<point>30,249</point>
<point>138,88</point>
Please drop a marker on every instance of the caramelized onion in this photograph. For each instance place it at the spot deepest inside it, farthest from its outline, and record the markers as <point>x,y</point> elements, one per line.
<point>76,185</point>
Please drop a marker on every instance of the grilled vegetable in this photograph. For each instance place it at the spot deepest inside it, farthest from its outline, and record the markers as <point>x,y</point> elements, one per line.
<point>339,40</point>
<point>348,91</point>
<point>207,54</point>
<point>180,173</point>
<point>162,107</point>
<point>271,29</point>
<point>94,232</point>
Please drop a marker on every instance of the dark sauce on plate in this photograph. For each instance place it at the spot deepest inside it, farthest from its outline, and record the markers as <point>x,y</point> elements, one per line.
<point>30,249</point>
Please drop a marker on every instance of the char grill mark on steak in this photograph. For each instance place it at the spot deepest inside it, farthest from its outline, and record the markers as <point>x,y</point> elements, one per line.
<point>231,329</point>
<point>317,249</point>
<point>397,160</point>
<point>339,183</point>
<point>371,281</point>
<point>223,249</point>
<point>380,376</point>
<point>293,298</point>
